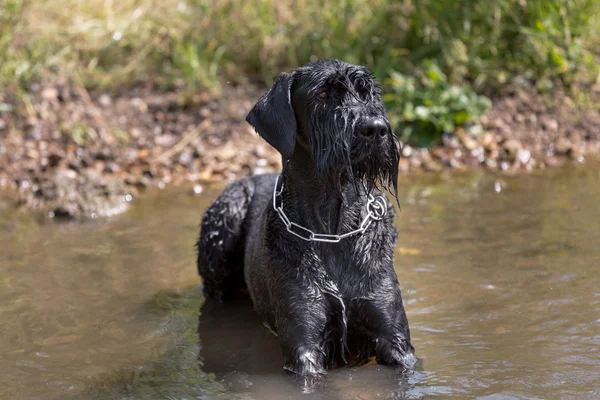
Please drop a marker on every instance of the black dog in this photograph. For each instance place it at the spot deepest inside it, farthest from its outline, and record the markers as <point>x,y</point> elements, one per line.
<point>314,246</point>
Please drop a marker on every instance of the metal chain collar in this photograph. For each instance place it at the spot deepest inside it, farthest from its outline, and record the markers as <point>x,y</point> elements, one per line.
<point>376,210</point>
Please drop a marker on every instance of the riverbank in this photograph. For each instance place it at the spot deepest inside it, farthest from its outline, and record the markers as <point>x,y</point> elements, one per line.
<point>67,152</point>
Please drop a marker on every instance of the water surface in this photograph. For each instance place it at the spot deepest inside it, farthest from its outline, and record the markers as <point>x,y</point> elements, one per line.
<point>502,291</point>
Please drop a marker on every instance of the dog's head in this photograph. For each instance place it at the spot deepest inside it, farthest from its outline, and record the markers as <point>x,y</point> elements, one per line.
<point>334,110</point>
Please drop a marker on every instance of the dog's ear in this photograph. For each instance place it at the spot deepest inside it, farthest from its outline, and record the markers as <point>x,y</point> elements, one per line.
<point>273,117</point>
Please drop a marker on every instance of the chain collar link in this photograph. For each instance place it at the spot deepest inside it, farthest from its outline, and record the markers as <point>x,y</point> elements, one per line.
<point>376,210</point>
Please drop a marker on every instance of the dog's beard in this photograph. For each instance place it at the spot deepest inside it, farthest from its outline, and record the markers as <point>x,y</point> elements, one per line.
<point>341,158</point>
<point>377,168</point>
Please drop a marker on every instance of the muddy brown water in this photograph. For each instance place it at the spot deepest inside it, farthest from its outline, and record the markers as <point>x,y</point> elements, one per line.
<point>502,291</point>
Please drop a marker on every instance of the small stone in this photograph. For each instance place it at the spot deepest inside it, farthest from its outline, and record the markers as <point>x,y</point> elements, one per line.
<point>225,153</point>
<point>99,165</point>
<point>185,158</point>
<point>468,142</point>
<point>68,173</point>
<point>475,129</point>
<point>32,153</point>
<point>454,163</point>
<point>105,100</point>
<point>562,146</point>
<point>491,163</point>
<point>439,153</point>
<point>112,168</point>
<point>165,140</point>
<point>206,175</point>
<point>451,141</point>
<point>205,112</point>
<point>259,171</point>
<point>489,142</point>
<point>143,154</point>
<point>512,146</point>
<point>523,156</point>
<point>260,151</point>
<point>550,124</point>
<point>135,133</point>
<point>50,94</point>
<point>139,104</point>
<point>532,119</point>
<point>262,162</point>
<point>478,153</point>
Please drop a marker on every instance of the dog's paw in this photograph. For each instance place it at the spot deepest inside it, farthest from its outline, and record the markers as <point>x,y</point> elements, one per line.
<point>310,381</point>
<point>401,354</point>
<point>308,367</point>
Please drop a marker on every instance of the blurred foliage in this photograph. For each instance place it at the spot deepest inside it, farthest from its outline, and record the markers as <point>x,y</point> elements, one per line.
<point>19,61</point>
<point>427,106</point>
<point>479,43</point>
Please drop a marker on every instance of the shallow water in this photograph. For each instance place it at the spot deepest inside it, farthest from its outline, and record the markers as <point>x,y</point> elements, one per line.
<point>502,291</point>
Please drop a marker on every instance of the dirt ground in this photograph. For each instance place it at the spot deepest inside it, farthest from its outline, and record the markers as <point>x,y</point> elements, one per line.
<point>70,153</point>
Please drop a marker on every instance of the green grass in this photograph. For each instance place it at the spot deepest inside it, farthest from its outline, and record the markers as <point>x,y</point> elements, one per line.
<point>198,43</point>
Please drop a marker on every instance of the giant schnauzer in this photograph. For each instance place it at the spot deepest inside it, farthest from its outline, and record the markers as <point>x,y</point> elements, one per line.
<point>314,245</point>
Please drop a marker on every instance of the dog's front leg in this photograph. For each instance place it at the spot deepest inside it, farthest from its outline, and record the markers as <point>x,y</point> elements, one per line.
<point>302,329</point>
<point>385,319</point>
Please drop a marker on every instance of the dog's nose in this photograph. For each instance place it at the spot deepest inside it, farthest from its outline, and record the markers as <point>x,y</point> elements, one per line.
<point>374,128</point>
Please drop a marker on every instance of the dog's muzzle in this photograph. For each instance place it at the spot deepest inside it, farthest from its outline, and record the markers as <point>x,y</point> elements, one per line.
<point>376,210</point>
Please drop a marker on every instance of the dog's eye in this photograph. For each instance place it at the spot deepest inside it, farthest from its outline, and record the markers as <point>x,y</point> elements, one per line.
<point>323,94</point>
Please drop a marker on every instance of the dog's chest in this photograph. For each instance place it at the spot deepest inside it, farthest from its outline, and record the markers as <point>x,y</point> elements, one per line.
<point>349,270</point>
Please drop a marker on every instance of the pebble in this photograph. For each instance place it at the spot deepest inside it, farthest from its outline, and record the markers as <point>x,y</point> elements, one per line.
<point>524,156</point>
<point>50,94</point>
<point>512,146</point>
<point>488,142</point>
<point>452,141</point>
<point>562,146</point>
<point>550,124</point>
<point>225,153</point>
<point>105,100</point>
<point>259,171</point>
<point>469,142</point>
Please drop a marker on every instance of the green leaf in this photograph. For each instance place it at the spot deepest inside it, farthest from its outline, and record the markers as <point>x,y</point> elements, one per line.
<point>461,117</point>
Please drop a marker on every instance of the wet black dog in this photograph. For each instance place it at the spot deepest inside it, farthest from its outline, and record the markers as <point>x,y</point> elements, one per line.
<point>314,246</point>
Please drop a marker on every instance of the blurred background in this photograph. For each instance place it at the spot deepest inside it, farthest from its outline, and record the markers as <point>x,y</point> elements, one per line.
<point>109,96</point>
<point>124,119</point>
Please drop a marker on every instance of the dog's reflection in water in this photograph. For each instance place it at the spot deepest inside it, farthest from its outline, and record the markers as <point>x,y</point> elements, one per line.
<point>246,358</point>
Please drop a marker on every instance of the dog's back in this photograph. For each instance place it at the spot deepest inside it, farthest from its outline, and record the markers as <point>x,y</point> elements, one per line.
<point>225,225</point>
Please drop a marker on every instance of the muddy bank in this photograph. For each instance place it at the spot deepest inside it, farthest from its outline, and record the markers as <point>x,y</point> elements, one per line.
<point>67,152</point>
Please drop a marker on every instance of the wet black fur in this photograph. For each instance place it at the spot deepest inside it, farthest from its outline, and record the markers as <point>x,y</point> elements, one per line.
<point>329,304</point>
